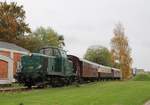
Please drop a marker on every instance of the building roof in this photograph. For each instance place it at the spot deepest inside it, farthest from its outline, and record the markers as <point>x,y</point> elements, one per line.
<point>12,46</point>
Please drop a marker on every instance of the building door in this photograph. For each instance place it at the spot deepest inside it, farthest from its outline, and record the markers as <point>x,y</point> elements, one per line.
<point>3,70</point>
<point>6,70</point>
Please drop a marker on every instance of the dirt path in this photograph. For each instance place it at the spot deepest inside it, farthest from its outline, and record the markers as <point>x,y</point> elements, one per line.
<point>147,103</point>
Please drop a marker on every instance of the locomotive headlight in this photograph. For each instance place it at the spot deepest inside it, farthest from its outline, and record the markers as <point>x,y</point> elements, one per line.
<point>30,54</point>
<point>39,66</point>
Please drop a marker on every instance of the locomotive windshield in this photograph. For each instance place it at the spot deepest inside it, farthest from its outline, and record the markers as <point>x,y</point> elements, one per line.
<point>47,51</point>
<point>30,62</point>
<point>50,51</point>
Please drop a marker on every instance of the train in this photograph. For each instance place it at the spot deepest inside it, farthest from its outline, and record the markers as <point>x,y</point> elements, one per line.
<point>52,66</point>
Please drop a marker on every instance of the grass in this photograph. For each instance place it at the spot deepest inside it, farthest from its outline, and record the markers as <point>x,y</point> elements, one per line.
<point>101,93</point>
<point>142,77</point>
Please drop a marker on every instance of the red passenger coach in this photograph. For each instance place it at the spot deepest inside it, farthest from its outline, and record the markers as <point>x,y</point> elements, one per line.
<point>105,72</point>
<point>89,70</point>
<point>116,73</point>
<point>84,69</point>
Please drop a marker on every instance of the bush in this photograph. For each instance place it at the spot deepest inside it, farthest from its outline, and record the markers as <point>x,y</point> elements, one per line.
<point>142,77</point>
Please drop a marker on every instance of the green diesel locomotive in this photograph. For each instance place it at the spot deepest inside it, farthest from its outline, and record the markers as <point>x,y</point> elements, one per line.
<point>49,66</point>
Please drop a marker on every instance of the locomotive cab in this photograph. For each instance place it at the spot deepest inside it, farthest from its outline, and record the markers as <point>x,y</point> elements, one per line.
<point>49,66</point>
<point>59,63</point>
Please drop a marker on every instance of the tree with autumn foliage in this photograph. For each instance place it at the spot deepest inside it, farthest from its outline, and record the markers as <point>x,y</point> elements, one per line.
<point>12,22</point>
<point>121,51</point>
<point>13,29</point>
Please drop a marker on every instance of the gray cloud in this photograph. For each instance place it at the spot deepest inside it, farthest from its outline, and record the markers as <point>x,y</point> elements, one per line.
<point>88,22</point>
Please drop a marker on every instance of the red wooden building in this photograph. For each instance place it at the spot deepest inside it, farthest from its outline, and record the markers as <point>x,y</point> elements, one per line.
<point>10,55</point>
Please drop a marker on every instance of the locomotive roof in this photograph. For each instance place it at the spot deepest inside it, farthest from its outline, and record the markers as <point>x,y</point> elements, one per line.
<point>53,48</point>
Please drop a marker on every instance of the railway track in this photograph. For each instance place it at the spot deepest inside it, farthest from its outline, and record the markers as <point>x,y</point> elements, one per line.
<point>14,89</point>
<point>19,89</point>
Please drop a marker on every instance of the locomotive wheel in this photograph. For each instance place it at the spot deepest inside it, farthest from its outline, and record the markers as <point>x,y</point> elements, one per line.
<point>53,84</point>
<point>29,86</point>
<point>57,82</point>
<point>42,85</point>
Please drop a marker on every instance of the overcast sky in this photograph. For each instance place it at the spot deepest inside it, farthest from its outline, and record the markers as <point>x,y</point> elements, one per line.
<point>90,22</point>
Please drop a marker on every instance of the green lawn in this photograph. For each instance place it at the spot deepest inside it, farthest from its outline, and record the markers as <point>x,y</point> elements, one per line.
<point>101,93</point>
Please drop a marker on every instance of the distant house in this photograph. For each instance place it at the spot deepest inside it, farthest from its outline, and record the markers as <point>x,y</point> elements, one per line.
<point>138,71</point>
<point>10,55</point>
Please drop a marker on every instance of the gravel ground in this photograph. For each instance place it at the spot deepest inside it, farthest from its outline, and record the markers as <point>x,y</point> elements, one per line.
<point>147,103</point>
